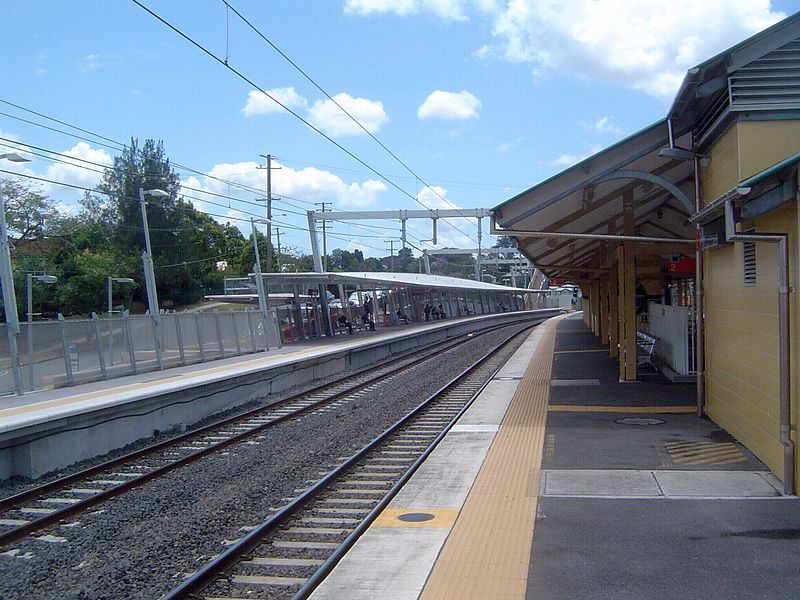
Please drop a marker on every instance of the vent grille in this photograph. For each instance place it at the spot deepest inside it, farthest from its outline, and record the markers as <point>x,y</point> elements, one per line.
<point>772,81</point>
<point>749,264</point>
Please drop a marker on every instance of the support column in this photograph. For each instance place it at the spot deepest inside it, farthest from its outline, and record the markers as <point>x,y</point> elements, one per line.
<point>603,313</point>
<point>627,311</point>
<point>613,313</point>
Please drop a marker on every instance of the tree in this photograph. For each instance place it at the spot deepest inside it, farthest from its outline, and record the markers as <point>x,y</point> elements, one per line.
<point>28,212</point>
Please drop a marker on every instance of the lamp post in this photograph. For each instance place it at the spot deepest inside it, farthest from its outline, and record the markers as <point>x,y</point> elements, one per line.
<point>109,281</point>
<point>7,283</point>
<point>29,292</point>
<point>149,273</point>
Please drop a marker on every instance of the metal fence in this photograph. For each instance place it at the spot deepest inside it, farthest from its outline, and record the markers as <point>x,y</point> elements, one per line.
<point>65,352</point>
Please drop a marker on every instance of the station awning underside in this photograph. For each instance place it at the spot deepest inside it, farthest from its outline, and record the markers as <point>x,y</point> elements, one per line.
<point>387,280</point>
<point>565,224</point>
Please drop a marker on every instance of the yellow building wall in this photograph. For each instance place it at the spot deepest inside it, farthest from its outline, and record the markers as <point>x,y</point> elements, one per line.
<point>741,343</point>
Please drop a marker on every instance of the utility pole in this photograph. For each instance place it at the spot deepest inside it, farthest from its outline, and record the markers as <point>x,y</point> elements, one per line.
<point>324,237</point>
<point>391,260</point>
<point>278,256</point>
<point>269,168</point>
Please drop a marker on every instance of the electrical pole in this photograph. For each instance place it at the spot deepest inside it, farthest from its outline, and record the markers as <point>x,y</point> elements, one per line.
<point>391,260</point>
<point>269,168</point>
<point>324,237</point>
<point>278,255</point>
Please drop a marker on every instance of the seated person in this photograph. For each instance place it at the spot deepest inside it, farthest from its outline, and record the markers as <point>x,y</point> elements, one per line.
<point>343,322</point>
<point>401,317</point>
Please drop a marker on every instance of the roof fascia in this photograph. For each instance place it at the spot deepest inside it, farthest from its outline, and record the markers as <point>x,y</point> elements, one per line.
<point>586,163</point>
<point>589,181</point>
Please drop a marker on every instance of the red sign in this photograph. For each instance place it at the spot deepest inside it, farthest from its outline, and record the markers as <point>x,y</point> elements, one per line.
<point>683,265</point>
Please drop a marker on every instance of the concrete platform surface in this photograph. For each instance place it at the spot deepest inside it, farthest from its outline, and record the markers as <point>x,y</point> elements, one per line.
<point>632,496</point>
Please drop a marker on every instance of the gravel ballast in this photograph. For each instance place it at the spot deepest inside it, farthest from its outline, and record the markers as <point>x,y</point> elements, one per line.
<point>144,542</point>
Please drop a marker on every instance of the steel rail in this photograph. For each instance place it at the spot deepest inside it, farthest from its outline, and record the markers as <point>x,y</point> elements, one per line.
<point>10,503</point>
<point>223,562</point>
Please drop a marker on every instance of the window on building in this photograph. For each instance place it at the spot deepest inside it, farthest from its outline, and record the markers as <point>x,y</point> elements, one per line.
<point>749,249</point>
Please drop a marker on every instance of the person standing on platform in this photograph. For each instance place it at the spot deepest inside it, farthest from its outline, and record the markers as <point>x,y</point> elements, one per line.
<point>368,313</point>
<point>427,310</point>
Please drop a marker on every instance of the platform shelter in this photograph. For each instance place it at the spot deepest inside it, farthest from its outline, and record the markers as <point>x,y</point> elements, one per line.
<point>686,234</point>
<point>326,304</point>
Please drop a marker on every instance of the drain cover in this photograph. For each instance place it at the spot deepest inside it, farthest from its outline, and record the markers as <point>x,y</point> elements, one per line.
<point>640,421</point>
<point>416,517</point>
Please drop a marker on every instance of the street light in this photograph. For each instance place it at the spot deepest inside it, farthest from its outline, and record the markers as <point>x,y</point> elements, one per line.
<point>149,273</point>
<point>109,281</point>
<point>7,283</point>
<point>29,292</point>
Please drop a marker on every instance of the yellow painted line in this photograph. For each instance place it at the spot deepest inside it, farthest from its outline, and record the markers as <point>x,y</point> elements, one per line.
<point>681,445</point>
<point>707,457</point>
<point>488,551</point>
<point>576,351</point>
<point>703,450</point>
<point>443,518</point>
<point>622,409</point>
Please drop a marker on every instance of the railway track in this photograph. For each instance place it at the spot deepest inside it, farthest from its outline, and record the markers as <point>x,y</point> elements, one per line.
<point>290,553</point>
<point>36,509</point>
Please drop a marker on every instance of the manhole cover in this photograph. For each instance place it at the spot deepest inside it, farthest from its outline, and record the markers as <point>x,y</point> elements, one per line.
<point>640,421</point>
<point>416,517</point>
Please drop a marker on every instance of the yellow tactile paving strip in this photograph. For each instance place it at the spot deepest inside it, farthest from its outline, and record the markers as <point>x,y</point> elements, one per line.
<point>623,409</point>
<point>488,551</point>
<point>440,518</point>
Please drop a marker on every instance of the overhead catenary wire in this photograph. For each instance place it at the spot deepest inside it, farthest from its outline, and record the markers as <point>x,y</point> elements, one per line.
<point>72,159</point>
<point>296,115</point>
<point>343,109</point>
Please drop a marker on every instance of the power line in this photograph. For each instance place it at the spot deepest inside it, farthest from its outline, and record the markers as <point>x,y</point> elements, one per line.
<point>243,77</point>
<point>118,146</point>
<point>332,99</point>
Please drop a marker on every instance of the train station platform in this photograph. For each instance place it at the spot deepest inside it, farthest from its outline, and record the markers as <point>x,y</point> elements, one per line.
<point>46,430</point>
<point>562,482</point>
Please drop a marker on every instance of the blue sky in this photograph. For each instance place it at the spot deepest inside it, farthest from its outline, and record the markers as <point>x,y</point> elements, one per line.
<point>479,99</point>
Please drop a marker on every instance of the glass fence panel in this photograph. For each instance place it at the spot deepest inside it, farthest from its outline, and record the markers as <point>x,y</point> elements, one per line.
<point>116,346</point>
<point>191,342</point>
<point>242,331</point>
<point>41,356</point>
<point>83,349</point>
<point>7,384</point>
<point>170,346</point>
<point>142,331</point>
<point>208,327</point>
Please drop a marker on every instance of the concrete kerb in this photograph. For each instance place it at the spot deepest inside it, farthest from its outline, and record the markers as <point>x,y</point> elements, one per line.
<point>53,439</point>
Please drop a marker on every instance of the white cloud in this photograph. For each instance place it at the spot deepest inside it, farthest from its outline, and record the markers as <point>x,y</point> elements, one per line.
<point>259,103</point>
<point>452,232</point>
<point>82,165</point>
<point>602,126</point>
<point>434,197</point>
<point>449,106</point>
<point>309,185</point>
<point>316,185</point>
<point>567,160</point>
<point>642,44</point>
<point>333,121</point>
<point>450,10</point>
<point>90,63</point>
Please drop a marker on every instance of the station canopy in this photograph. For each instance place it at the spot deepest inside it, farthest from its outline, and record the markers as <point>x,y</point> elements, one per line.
<point>563,223</point>
<point>386,280</point>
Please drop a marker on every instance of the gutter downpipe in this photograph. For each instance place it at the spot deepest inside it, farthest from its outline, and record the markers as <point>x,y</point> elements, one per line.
<point>699,321</point>
<point>783,335</point>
